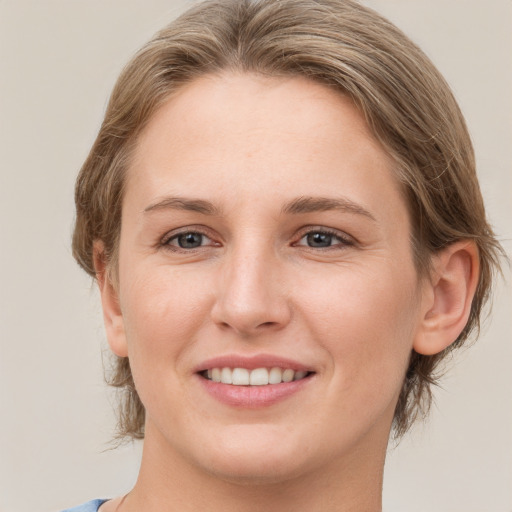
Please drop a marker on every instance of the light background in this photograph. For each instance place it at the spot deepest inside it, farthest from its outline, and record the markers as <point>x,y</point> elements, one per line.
<point>58,62</point>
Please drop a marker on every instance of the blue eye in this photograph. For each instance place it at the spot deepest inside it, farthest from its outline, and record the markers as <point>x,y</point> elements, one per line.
<point>319,239</point>
<point>323,239</point>
<point>188,240</point>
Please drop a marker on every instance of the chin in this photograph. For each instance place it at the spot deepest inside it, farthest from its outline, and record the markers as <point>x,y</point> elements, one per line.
<point>252,454</point>
<point>242,471</point>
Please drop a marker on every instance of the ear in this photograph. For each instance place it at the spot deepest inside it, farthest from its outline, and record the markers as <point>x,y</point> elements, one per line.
<point>448,297</point>
<point>112,315</point>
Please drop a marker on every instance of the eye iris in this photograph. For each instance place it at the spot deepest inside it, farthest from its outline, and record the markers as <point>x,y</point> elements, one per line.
<point>319,239</point>
<point>190,240</point>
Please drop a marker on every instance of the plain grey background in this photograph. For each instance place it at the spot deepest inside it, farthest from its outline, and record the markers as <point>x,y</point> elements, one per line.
<point>58,62</point>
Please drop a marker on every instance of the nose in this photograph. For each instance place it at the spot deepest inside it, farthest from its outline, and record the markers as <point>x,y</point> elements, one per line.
<point>251,297</point>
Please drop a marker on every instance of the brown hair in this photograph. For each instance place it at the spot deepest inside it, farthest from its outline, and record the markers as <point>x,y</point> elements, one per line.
<point>406,102</point>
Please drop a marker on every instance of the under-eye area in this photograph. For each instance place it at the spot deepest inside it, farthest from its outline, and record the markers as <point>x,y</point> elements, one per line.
<point>255,377</point>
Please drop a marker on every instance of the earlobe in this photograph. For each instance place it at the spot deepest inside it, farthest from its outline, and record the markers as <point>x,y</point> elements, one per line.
<point>112,315</point>
<point>451,289</point>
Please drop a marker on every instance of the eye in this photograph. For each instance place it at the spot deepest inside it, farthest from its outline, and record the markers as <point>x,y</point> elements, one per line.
<point>321,239</point>
<point>188,240</point>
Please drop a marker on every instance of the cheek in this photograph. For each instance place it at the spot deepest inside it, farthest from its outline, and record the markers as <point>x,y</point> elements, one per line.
<point>163,310</point>
<point>366,323</point>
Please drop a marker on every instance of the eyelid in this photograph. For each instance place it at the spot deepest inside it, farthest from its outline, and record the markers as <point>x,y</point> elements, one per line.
<point>344,237</point>
<point>173,234</point>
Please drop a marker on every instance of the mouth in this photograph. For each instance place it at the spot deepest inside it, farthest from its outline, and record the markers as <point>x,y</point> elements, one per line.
<point>238,376</point>
<point>254,382</point>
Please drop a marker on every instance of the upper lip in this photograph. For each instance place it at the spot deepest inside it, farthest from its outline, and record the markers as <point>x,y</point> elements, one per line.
<point>251,362</point>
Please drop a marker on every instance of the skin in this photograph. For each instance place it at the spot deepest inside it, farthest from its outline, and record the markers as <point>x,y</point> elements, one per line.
<point>352,310</point>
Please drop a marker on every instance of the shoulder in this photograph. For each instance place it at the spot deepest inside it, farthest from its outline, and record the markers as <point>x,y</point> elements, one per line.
<point>90,506</point>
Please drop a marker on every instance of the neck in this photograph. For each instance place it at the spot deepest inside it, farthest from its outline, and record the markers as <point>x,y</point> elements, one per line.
<point>168,483</point>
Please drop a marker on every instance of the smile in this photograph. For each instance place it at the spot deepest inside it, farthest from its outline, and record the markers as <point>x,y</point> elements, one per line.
<point>253,382</point>
<point>254,377</point>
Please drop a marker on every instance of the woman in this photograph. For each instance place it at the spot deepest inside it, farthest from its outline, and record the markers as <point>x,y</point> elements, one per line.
<point>282,214</point>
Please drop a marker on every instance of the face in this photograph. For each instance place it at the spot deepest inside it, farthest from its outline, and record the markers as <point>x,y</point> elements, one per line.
<point>264,239</point>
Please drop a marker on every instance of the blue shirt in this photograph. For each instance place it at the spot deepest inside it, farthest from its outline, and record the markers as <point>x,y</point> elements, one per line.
<point>90,506</point>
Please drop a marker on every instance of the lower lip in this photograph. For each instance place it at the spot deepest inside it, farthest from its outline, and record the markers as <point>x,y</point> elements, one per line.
<point>252,397</point>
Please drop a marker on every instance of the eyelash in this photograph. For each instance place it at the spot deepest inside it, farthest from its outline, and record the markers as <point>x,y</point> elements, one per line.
<point>343,240</point>
<point>166,241</point>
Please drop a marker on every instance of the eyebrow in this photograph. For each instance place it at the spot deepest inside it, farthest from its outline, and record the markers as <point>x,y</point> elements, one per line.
<point>308,204</point>
<point>183,203</point>
<point>300,205</point>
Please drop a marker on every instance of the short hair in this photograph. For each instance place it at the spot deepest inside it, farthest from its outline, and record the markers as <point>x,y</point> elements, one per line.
<point>406,102</point>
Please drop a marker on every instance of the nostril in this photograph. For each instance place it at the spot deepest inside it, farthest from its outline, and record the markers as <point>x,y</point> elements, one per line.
<point>250,314</point>
<point>268,324</point>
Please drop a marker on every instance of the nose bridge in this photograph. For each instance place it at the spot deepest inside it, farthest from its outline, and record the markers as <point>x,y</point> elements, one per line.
<point>250,295</point>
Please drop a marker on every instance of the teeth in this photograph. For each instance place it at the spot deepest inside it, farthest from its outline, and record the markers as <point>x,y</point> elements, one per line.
<point>226,376</point>
<point>288,375</point>
<point>216,374</point>
<point>256,377</point>
<point>259,377</point>
<point>240,377</point>
<point>275,376</point>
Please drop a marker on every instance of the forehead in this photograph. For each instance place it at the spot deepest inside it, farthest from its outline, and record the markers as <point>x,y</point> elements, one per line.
<point>239,136</point>
<point>257,106</point>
